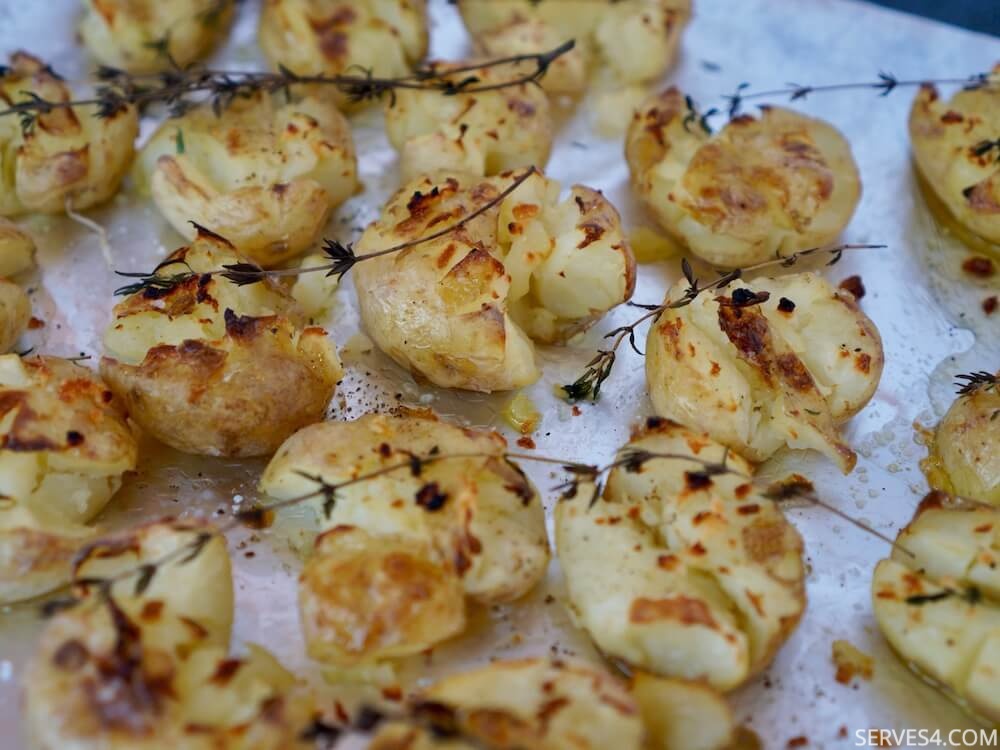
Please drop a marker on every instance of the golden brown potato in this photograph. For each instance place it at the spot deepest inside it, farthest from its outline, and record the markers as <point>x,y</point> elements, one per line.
<point>756,189</point>
<point>17,249</point>
<point>400,554</point>
<point>65,445</point>
<point>632,41</point>
<point>461,310</point>
<point>151,671</point>
<point>784,372</point>
<point>951,146</point>
<point>215,368</point>
<point>480,133</point>
<point>15,312</point>
<point>264,173</point>
<point>125,34</point>
<point>548,704</point>
<point>965,454</point>
<point>680,573</point>
<point>68,156</point>
<point>937,600</point>
<point>310,37</point>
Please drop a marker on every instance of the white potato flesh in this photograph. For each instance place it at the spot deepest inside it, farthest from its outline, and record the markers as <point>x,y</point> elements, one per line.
<point>125,34</point>
<point>331,37</point>
<point>543,704</point>
<point>678,574</point>
<point>462,310</point>
<point>150,669</point>
<point>69,157</point>
<point>937,600</point>
<point>945,136</point>
<point>482,133</point>
<point>215,368</point>
<point>633,41</point>
<point>17,249</point>
<point>264,173</point>
<point>758,188</point>
<point>407,550</point>
<point>785,372</point>
<point>66,444</point>
<point>314,290</point>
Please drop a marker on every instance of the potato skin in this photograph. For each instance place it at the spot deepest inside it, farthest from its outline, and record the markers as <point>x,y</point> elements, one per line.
<point>783,372</point>
<point>217,369</point>
<point>15,312</point>
<point>756,189</point>
<point>69,156</point>
<point>265,174</point>
<point>388,37</point>
<point>944,135</point>
<point>17,249</point>
<point>459,310</point>
<point>122,33</point>
<point>692,577</point>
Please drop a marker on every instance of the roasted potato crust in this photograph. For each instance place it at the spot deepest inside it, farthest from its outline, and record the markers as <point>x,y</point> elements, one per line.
<point>945,136</point>
<point>266,174</point>
<point>214,368</point>
<point>681,574</point>
<point>460,310</point>
<point>17,249</point>
<point>786,371</point>
<point>68,156</point>
<point>15,312</point>
<point>65,445</point>
<point>756,189</point>
<point>390,574</point>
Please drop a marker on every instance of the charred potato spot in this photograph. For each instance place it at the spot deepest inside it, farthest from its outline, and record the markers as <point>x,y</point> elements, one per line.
<point>125,33</point>
<point>387,37</point>
<point>265,173</point>
<point>215,368</point>
<point>401,553</point>
<point>936,600</point>
<point>69,157</point>
<point>759,377</point>
<point>947,138</point>
<point>756,189</point>
<point>63,450</point>
<point>686,583</point>
<point>462,310</point>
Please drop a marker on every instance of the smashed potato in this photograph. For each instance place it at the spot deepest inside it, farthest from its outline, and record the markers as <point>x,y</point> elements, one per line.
<point>17,249</point>
<point>68,157</point>
<point>65,445</point>
<point>679,572</point>
<point>126,34</point>
<point>151,670</point>
<point>784,371</point>
<point>633,41</point>
<point>953,152</point>
<point>330,37</point>
<point>462,310</point>
<point>756,189</point>
<point>15,312</point>
<point>265,173</point>
<point>965,454</point>
<point>937,599</point>
<point>481,133</point>
<point>400,553</point>
<point>548,704</point>
<point>215,368</point>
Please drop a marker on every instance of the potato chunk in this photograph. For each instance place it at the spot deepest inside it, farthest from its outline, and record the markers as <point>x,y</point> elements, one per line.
<point>759,377</point>
<point>462,310</point>
<point>214,368</point>
<point>264,173</point>
<point>937,599</point>
<point>400,554</point>
<point>68,156</point>
<point>948,146</point>
<point>66,444</point>
<point>680,573</point>
<point>17,249</point>
<point>756,189</point>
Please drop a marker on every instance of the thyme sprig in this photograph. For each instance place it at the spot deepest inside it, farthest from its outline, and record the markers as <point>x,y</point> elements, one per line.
<point>342,257</point>
<point>180,89</point>
<point>972,382</point>
<point>598,369</point>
